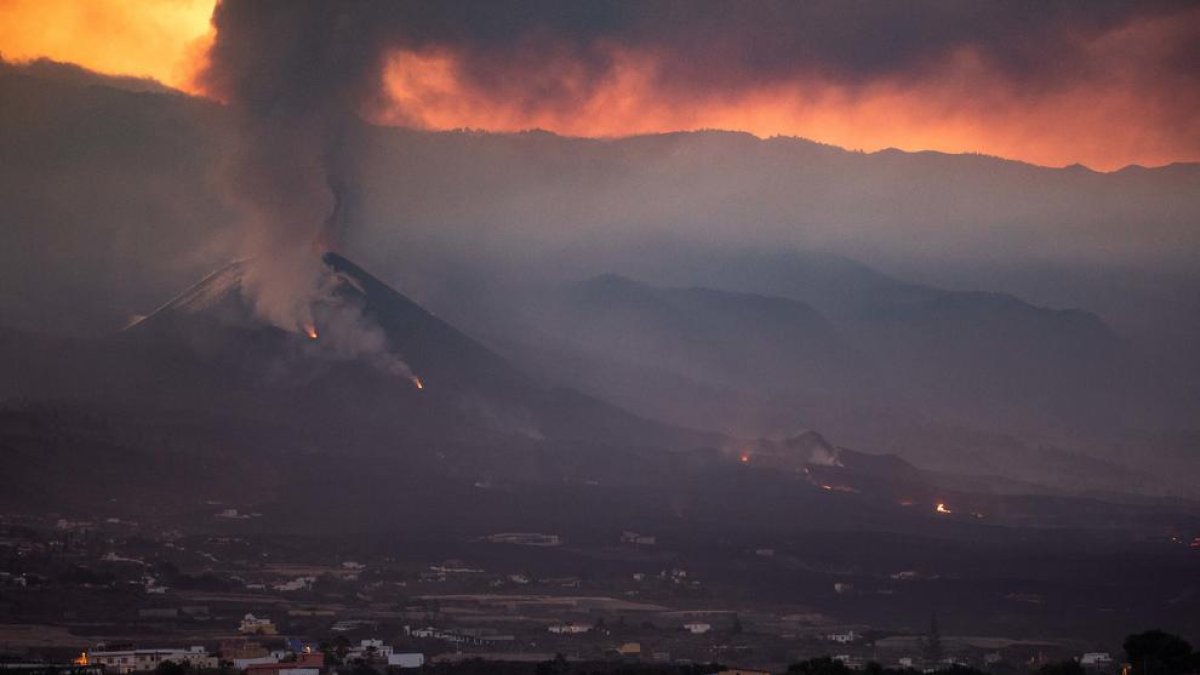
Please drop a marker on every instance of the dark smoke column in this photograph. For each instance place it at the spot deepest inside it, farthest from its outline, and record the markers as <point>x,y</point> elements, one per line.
<point>295,75</point>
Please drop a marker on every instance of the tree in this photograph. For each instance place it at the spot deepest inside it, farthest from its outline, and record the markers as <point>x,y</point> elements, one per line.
<point>557,666</point>
<point>1157,653</point>
<point>170,668</point>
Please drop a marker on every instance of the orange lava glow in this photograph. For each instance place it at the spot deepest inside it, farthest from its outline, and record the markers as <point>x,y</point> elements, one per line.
<point>81,660</point>
<point>1106,118</point>
<point>417,382</point>
<point>941,508</point>
<point>745,458</point>
<point>311,331</point>
<point>165,40</point>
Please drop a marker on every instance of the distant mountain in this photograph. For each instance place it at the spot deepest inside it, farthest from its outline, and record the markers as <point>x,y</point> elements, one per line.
<point>977,357</point>
<point>740,340</point>
<point>822,332</point>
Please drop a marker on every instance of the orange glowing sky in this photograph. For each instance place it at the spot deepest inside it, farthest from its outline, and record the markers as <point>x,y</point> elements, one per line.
<point>1107,116</point>
<point>159,39</point>
<point>1105,125</point>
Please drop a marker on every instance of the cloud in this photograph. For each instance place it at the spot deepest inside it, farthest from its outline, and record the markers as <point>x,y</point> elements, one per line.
<point>1105,83</point>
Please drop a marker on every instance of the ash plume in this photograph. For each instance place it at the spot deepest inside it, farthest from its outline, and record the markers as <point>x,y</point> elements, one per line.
<point>293,75</point>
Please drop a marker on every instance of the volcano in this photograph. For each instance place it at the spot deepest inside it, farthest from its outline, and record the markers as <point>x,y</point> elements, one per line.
<point>205,358</point>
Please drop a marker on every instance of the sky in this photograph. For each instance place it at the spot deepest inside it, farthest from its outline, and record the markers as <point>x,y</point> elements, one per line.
<point>1102,83</point>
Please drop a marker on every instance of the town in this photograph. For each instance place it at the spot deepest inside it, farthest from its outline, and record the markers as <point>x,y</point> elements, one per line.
<point>93,597</point>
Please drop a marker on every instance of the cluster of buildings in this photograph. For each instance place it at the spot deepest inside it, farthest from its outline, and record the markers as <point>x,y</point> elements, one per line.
<point>251,658</point>
<point>461,636</point>
<point>133,660</point>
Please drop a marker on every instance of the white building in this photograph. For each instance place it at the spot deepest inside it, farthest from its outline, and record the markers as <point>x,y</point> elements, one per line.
<point>132,660</point>
<point>243,664</point>
<point>697,627</point>
<point>406,660</point>
<point>1095,659</point>
<point>252,625</point>
<point>371,649</point>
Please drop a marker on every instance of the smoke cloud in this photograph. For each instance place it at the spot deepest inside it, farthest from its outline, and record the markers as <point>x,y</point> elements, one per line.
<point>294,102</point>
<point>1106,83</point>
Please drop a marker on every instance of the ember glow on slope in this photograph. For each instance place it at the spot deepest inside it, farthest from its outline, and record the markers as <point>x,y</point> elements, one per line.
<point>1118,93</point>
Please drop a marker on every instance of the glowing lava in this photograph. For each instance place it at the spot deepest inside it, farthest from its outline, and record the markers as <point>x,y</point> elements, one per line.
<point>311,331</point>
<point>417,382</point>
<point>941,508</point>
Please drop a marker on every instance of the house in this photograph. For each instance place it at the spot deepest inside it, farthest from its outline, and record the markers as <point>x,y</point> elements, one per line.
<point>697,627</point>
<point>370,650</point>
<point>306,663</point>
<point>569,628</point>
<point>243,663</point>
<point>628,537</point>
<point>406,660</point>
<point>432,633</point>
<point>252,625</point>
<point>133,660</point>
<point>1095,660</point>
